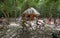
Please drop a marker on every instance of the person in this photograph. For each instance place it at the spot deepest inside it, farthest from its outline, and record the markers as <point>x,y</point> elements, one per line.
<point>52,21</point>
<point>46,21</point>
<point>57,21</point>
<point>40,22</point>
<point>49,20</point>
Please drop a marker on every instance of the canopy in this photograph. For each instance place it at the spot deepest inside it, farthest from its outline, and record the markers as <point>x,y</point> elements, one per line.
<point>31,11</point>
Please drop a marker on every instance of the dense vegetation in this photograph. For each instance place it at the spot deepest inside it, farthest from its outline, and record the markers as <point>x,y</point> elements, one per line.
<point>14,8</point>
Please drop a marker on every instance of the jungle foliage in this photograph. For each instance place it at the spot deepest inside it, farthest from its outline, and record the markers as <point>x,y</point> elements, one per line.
<point>14,8</point>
